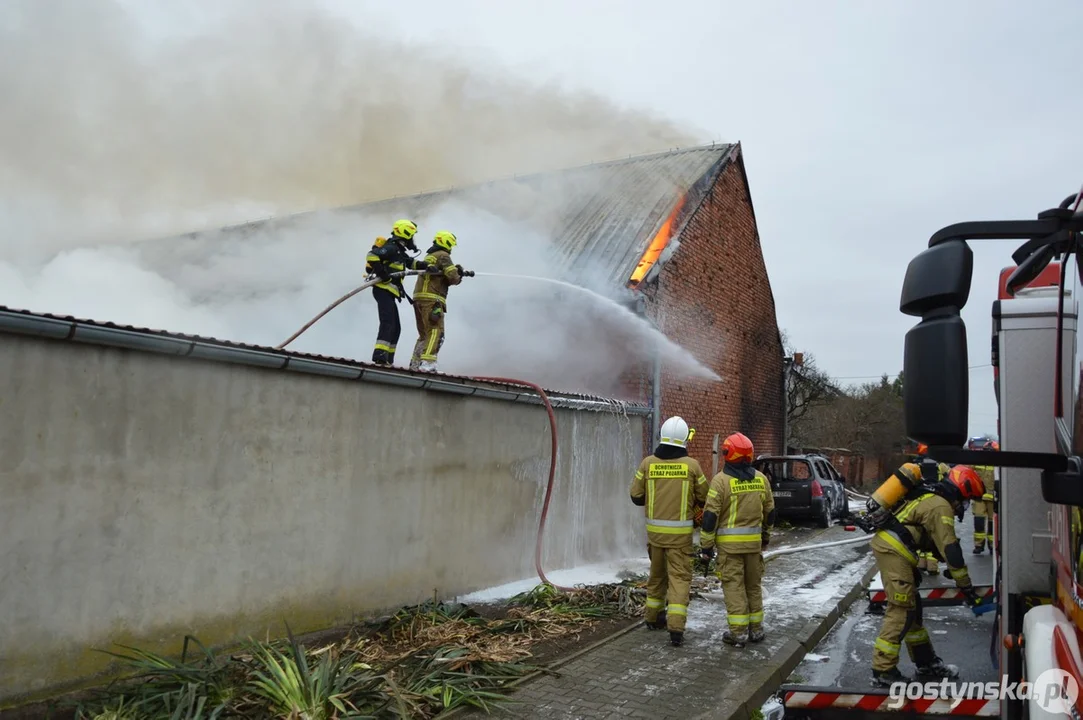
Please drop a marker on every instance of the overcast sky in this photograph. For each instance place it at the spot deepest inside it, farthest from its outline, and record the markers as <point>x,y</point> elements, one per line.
<point>866,127</point>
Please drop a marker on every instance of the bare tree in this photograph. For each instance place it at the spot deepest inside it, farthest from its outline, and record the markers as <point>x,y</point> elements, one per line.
<point>807,387</point>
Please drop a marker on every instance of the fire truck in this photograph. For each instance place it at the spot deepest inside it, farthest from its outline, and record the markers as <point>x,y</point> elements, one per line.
<point>1035,572</point>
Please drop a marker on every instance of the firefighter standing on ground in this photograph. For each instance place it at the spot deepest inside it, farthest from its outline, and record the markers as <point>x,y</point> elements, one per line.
<point>668,484</point>
<point>387,257</point>
<point>984,508</point>
<point>924,522</point>
<point>737,519</point>
<point>430,300</point>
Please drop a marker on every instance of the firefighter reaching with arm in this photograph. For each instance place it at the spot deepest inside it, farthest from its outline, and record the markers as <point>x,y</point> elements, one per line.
<point>925,519</point>
<point>385,258</point>
<point>430,299</point>
<point>668,485</point>
<point>737,520</point>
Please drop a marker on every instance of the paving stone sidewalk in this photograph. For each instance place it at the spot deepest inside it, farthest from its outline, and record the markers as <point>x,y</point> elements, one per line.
<point>639,675</point>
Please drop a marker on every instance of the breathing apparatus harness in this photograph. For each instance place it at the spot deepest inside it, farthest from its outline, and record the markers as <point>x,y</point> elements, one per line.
<point>880,517</point>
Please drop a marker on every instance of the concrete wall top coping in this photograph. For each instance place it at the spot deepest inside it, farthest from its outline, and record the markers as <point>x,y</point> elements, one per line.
<point>92,332</point>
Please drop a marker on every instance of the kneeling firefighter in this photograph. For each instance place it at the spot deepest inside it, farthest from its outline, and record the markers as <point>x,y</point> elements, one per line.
<point>913,516</point>
<point>737,519</point>
<point>430,300</point>
<point>387,257</point>
<point>668,484</point>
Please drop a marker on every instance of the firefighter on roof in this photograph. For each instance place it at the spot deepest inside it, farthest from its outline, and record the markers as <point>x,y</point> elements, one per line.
<point>430,300</point>
<point>668,484</point>
<point>737,520</point>
<point>387,257</point>
<point>984,507</point>
<point>924,522</point>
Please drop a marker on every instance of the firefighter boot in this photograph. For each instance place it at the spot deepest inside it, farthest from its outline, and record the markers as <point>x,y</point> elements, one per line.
<point>659,623</point>
<point>755,634</point>
<point>937,669</point>
<point>886,678</point>
<point>381,357</point>
<point>676,638</point>
<point>736,640</point>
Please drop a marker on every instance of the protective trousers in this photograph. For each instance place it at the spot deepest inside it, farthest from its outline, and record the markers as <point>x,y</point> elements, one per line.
<point>387,337</point>
<point>983,523</point>
<point>669,585</point>
<point>430,332</point>
<point>742,585</point>
<point>902,616</point>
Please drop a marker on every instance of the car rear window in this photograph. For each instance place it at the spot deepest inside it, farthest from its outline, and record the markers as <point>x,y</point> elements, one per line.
<point>784,470</point>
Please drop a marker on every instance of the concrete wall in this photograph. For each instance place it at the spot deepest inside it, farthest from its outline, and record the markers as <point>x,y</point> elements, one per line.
<point>143,497</point>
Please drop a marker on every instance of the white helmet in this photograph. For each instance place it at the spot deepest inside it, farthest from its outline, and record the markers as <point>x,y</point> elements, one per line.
<point>675,432</point>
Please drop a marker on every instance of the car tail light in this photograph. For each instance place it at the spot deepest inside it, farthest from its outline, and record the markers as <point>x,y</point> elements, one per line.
<point>817,489</point>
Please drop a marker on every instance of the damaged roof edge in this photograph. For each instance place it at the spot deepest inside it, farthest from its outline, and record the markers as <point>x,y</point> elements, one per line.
<point>53,327</point>
<point>701,189</point>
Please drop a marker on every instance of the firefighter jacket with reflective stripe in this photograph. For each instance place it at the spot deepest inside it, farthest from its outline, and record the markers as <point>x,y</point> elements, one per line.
<point>735,518</point>
<point>433,286</point>
<point>929,523</point>
<point>392,256</point>
<point>987,477</point>
<point>669,491</point>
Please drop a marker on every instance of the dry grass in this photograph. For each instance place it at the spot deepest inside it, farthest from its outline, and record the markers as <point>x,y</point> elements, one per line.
<point>420,662</point>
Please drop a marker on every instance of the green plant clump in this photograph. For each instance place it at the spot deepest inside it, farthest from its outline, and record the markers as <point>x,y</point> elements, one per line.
<point>421,662</point>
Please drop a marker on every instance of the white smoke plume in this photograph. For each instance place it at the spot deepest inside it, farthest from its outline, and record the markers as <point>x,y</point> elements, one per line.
<point>274,108</point>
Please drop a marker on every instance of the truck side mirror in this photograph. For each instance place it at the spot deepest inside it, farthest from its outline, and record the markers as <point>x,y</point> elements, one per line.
<point>1064,488</point>
<point>937,279</point>
<point>936,389</point>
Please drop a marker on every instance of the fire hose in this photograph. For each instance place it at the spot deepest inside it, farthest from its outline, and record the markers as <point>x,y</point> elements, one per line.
<point>552,473</point>
<point>506,381</point>
<point>365,286</point>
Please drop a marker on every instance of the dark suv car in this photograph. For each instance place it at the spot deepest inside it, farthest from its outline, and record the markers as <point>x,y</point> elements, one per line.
<point>805,486</point>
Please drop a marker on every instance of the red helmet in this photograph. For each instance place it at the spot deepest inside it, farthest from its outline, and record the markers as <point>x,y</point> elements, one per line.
<point>966,481</point>
<point>737,448</point>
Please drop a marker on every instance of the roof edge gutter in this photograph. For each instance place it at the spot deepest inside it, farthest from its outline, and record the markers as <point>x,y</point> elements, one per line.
<point>87,333</point>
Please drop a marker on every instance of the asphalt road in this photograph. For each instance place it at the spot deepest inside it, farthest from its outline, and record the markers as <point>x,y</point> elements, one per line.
<point>843,658</point>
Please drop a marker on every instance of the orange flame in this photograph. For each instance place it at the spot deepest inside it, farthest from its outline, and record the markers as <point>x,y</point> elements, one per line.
<point>658,244</point>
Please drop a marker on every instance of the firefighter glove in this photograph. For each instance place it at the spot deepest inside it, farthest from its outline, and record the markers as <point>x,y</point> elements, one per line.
<point>382,272</point>
<point>764,542</point>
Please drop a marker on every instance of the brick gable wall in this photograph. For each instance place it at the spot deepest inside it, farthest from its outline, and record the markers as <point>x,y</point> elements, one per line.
<point>714,299</point>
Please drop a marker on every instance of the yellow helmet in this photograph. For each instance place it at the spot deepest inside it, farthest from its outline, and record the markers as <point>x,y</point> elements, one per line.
<point>446,240</point>
<point>405,229</point>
